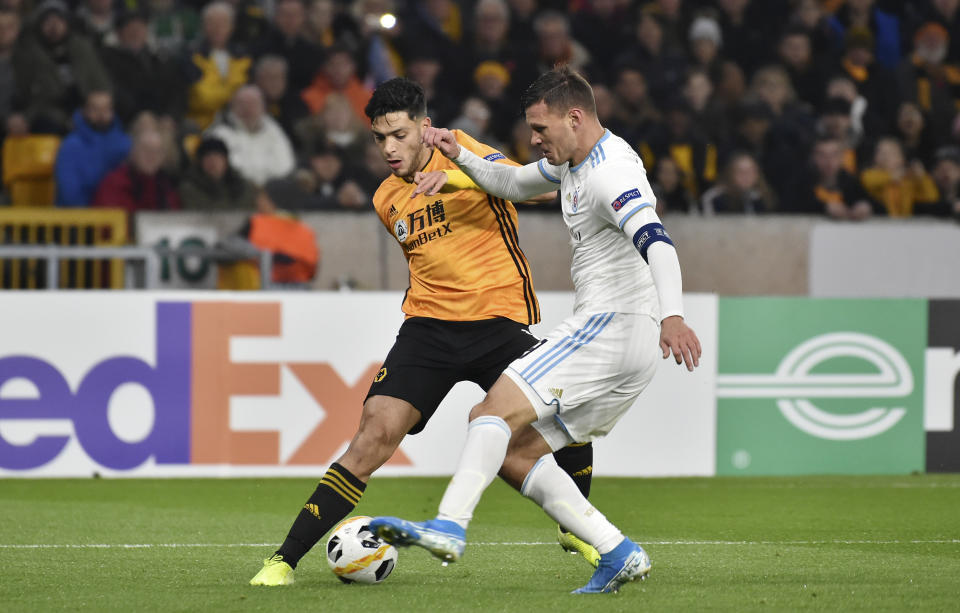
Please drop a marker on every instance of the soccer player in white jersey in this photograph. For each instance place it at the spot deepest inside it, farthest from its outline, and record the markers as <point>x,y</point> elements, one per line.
<point>587,372</point>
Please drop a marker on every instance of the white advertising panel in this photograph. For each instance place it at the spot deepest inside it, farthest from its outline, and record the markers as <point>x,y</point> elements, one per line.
<point>234,384</point>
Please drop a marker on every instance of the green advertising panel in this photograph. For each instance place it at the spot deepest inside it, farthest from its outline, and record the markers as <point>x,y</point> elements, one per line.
<point>819,386</point>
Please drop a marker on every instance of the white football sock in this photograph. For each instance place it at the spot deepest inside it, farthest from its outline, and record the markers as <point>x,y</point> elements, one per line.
<point>481,459</point>
<point>554,490</point>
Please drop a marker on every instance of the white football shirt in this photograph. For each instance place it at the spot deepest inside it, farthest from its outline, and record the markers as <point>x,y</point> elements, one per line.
<point>598,195</point>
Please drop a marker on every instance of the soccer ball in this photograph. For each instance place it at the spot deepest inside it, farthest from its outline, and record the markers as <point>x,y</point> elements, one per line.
<point>356,554</point>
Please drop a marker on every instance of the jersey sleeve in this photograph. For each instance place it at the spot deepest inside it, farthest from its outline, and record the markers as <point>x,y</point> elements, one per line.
<point>623,190</point>
<point>485,151</point>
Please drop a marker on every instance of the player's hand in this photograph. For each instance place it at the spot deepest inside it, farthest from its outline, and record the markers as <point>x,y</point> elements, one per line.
<point>678,338</point>
<point>442,139</point>
<point>429,183</point>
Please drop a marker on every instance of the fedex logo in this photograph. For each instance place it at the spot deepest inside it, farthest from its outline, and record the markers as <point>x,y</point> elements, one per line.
<point>207,409</point>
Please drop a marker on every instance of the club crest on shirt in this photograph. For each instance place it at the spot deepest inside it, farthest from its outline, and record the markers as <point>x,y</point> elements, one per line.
<point>400,230</point>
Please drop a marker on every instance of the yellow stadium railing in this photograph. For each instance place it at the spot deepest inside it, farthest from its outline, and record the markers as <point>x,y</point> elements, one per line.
<point>73,227</point>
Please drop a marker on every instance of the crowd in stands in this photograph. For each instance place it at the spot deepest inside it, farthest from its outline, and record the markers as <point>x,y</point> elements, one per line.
<point>843,108</point>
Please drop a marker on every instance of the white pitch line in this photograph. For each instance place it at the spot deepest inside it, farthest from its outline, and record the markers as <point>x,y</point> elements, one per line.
<point>486,544</point>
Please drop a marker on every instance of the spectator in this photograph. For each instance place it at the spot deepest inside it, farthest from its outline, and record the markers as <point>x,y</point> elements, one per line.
<point>172,26</point>
<point>806,75</point>
<point>491,80</point>
<point>863,117</point>
<point>259,149</point>
<point>745,32</point>
<point>809,16</point>
<point>946,175</point>
<point>490,43</point>
<point>602,27</point>
<point>522,15</point>
<point>925,79</point>
<point>474,119</point>
<point>216,69</point>
<point>96,19</point>
<point>827,188</point>
<point>894,184</point>
<point>742,189</point>
<point>339,74</point>
<point>55,69</point>
<point>947,14</point>
<point>140,184</point>
<point>914,134</point>
<point>874,82</point>
<point>884,29</point>
<point>706,114</point>
<point>669,185</point>
<point>705,43</point>
<point>730,90</point>
<point>318,28</point>
<point>555,45</point>
<point>791,127</point>
<point>671,17</point>
<point>424,67</point>
<point>336,126</point>
<point>286,39</point>
<point>835,123</point>
<point>678,138</point>
<point>329,184</point>
<point>211,184</point>
<point>250,25</point>
<point>9,31</point>
<point>662,68</point>
<point>96,146</point>
<point>283,104</point>
<point>144,81</point>
<point>633,109</point>
<point>173,154</point>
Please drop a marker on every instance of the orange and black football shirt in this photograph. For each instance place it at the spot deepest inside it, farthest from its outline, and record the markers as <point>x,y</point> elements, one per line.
<point>461,247</point>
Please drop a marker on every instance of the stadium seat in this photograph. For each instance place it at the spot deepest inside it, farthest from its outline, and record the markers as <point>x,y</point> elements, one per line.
<point>28,163</point>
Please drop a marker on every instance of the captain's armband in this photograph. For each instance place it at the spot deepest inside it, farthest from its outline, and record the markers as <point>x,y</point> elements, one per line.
<point>648,235</point>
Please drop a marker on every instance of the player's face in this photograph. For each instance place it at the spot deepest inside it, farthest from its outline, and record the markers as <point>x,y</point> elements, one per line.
<point>552,133</point>
<point>398,138</point>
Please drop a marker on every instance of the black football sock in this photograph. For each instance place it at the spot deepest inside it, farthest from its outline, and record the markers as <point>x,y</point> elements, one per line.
<point>576,460</point>
<point>336,495</point>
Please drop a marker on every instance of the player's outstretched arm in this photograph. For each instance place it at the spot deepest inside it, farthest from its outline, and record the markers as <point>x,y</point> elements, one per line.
<point>514,183</point>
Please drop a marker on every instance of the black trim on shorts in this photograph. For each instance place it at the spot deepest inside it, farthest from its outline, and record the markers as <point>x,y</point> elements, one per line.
<point>430,356</point>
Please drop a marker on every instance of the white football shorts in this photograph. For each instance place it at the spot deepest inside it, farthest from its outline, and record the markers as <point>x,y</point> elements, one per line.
<point>586,373</point>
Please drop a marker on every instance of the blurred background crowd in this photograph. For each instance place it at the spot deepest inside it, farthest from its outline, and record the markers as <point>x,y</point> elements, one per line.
<point>841,108</point>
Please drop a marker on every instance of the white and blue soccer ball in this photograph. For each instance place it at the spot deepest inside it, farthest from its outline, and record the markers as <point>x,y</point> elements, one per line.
<point>357,555</point>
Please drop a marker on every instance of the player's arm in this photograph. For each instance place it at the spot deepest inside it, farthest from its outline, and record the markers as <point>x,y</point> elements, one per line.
<point>632,207</point>
<point>514,183</point>
<point>656,248</point>
<point>446,181</point>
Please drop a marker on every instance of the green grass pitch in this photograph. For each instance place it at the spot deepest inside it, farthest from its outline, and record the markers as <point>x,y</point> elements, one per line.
<point>761,544</point>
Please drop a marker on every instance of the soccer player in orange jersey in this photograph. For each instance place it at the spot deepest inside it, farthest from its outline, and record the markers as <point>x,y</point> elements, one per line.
<point>468,309</point>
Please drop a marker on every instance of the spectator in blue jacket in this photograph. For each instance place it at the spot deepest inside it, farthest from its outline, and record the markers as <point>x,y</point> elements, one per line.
<point>96,146</point>
<point>885,28</point>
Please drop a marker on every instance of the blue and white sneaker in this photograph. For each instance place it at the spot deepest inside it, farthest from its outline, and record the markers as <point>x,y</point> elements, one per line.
<point>443,538</point>
<point>627,562</point>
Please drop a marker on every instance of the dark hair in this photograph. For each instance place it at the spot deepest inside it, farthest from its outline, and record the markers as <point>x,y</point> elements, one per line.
<point>560,89</point>
<point>397,94</point>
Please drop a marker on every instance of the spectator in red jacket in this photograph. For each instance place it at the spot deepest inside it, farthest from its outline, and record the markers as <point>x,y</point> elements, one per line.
<point>140,184</point>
